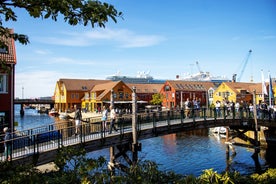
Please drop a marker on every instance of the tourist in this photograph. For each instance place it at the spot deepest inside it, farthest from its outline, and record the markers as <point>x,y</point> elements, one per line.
<point>218,108</point>
<point>188,106</point>
<point>78,118</point>
<point>104,119</point>
<point>7,143</point>
<point>113,118</point>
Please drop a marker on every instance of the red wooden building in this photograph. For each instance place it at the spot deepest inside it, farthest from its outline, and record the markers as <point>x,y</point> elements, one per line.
<point>7,67</point>
<point>175,91</point>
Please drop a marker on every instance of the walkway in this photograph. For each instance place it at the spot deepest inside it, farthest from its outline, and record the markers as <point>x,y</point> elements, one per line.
<point>42,143</point>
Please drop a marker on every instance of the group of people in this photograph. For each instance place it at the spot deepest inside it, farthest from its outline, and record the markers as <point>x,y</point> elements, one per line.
<point>113,115</point>
<point>192,106</point>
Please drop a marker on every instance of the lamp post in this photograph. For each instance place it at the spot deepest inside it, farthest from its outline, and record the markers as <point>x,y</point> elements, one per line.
<point>181,98</point>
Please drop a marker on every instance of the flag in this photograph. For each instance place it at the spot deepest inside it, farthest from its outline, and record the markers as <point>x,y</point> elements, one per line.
<point>264,90</point>
<point>271,93</point>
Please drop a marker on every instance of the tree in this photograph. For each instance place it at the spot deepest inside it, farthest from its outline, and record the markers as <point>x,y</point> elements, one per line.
<point>157,99</point>
<point>73,11</point>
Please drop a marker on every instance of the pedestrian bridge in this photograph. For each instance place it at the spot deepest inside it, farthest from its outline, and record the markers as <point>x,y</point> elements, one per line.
<point>40,145</point>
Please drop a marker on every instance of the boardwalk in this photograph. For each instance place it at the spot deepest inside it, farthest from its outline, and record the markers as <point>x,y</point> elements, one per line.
<point>42,143</point>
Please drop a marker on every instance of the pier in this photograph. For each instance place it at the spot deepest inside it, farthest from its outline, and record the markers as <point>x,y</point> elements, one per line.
<point>23,102</point>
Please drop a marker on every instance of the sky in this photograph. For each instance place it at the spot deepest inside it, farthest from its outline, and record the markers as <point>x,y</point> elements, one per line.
<point>164,38</point>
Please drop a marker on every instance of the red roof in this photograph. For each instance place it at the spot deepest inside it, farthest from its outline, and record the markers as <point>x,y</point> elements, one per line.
<point>8,56</point>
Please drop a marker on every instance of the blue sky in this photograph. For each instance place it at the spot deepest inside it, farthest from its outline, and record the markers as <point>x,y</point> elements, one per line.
<point>163,37</point>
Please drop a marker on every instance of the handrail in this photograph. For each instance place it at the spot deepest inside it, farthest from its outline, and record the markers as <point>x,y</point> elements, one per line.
<point>32,141</point>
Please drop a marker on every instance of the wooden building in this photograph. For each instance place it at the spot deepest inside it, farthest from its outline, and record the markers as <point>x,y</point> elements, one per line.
<point>101,95</point>
<point>144,92</point>
<point>7,74</point>
<point>70,92</point>
<point>177,91</point>
<point>241,92</point>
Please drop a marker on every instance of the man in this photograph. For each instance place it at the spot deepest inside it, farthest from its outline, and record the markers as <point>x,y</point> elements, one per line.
<point>7,143</point>
<point>113,118</point>
<point>78,118</point>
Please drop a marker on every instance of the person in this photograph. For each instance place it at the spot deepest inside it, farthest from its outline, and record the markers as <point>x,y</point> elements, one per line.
<point>218,108</point>
<point>188,106</point>
<point>104,118</point>
<point>78,118</point>
<point>7,143</point>
<point>113,118</point>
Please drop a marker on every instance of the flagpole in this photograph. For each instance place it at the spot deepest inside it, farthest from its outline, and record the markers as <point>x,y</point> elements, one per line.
<point>269,89</point>
<point>264,90</point>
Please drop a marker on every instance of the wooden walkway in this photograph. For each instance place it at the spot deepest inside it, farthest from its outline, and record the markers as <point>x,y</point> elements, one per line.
<point>41,144</point>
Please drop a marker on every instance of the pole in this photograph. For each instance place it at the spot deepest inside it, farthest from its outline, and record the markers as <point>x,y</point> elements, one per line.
<point>134,127</point>
<point>181,98</point>
<point>112,98</point>
<point>255,120</point>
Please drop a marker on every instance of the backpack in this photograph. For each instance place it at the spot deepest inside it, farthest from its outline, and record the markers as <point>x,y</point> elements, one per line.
<point>189,104</point>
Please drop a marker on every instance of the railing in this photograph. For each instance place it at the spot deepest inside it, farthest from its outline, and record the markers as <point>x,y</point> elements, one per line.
<point>50,137</point>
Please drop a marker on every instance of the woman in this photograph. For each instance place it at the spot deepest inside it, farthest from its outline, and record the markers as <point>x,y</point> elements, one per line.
<point>104,118</point>
<point>8,143</point>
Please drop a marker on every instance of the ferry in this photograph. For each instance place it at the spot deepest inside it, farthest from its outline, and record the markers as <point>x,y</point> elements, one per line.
<point>140,78</point>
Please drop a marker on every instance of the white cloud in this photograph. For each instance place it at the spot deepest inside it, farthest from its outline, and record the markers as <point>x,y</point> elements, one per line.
<point>35,84</point>
<point>123,38</point>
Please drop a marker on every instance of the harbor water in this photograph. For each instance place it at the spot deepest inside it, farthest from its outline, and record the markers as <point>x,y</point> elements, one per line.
<point>184,153</point>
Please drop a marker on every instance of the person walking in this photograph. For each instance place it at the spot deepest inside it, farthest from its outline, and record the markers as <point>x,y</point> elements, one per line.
<point>8,143</point>
<point>78,118</point>
<point>104,119</point>
<point>113,118</point>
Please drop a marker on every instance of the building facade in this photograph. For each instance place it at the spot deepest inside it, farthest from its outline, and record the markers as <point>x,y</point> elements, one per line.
<point>175,92</point>
<point>7,74</point>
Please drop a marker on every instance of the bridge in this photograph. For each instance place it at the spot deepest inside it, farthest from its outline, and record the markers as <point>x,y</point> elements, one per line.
<point>40,145</point>
<point>23,102</point>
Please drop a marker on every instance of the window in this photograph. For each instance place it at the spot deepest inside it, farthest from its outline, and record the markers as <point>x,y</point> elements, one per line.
<point>167,88</point>
<point>3,83</point>
<point>4,49</point>
<point>121,95</point>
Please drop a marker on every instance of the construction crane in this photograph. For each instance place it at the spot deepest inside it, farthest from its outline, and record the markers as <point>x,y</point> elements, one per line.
<point>197,64</point>
<point>243,67</point>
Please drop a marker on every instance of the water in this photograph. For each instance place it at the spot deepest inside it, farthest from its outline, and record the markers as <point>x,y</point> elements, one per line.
<point>31,118</point>
<point>184,153</point>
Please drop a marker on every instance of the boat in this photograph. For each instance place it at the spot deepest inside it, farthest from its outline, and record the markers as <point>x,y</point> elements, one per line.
<point>140,78</point>
<point>219,130</point>
<point>53,112</point>
<point>63,115</point>
<point>203,76</point>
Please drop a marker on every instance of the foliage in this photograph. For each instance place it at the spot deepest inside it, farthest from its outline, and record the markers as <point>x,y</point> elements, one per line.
<point>157,99</point>
<point>73,12</point>
<point>76,168</point>
<point>210,176</point>
<point>11,173</point>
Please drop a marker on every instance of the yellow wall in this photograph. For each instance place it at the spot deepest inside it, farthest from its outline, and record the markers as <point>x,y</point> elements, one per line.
<point>222,89</point>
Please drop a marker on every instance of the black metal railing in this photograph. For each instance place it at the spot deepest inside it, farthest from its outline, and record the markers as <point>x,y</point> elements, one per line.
<point>39,139</point>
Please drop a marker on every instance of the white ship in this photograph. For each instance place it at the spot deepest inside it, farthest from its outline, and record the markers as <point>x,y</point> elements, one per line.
<point>203,76</point>
<point>140,78</point>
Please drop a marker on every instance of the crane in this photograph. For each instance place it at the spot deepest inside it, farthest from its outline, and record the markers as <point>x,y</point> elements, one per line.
<point>243,67</point>
<point>197,64</point>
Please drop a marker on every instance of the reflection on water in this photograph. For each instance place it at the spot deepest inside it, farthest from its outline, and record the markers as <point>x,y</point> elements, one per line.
<point>185,153</point>
<point>31,118</point>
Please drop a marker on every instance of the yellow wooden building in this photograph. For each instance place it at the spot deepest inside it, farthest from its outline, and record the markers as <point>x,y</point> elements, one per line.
<point>70,92</point>
<point>239,91</point>
<point>100,95</point>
